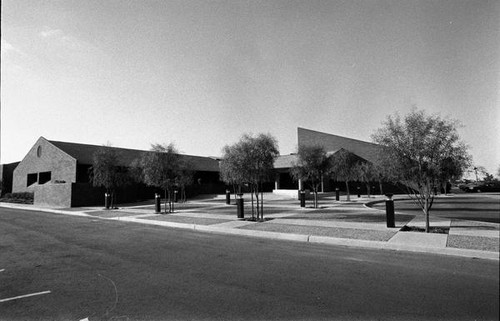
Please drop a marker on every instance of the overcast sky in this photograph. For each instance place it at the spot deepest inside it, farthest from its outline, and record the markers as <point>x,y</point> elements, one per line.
<point>202,73</point>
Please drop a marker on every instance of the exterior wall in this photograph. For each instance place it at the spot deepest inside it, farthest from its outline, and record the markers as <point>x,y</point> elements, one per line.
<point>52,195</point>
<point>84,194</point>
<point>61,165</point>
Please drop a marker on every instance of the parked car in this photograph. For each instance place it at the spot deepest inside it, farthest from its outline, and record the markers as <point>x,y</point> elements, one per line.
<point>481,187</point>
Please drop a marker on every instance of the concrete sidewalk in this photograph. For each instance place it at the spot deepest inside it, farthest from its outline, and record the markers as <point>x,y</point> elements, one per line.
<point>339,223</point>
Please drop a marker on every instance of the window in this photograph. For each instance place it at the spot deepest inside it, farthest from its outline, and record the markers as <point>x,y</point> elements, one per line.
<point>32,179</point>
<point>39,151</point>
<point>44,177</point>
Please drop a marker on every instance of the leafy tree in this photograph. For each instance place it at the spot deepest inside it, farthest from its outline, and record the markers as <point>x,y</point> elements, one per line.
<point>250,161</point>
<point>451,168</point>
<point>161,167</point>
<point>312,164</point>
<point>105,171</point>
<point>344,167</point>
<point>366,173</point>
<point>380,175</point>
<point>415,149</point>
<point>185,178</point>
<point>231,171</point>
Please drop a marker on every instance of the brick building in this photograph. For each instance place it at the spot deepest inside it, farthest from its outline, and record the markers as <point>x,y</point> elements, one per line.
<point>58,174</point>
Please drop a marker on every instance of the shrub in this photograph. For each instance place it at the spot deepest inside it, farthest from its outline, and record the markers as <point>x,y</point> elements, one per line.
<point>24,198</point>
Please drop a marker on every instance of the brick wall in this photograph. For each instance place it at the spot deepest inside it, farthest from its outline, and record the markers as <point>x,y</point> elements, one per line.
<point>47,159</point>
<point>52,195</point>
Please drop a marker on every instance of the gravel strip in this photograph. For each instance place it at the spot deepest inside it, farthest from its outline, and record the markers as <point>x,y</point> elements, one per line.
<point>473,243</point>
<point>323,231</point>
<point>360,217</point>
<point>475,225</point>
<point>186,219</point>
<point>112,213</point>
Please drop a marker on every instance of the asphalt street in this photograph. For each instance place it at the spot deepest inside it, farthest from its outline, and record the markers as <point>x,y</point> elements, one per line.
<point>110,270</point>
<point>475,207</point>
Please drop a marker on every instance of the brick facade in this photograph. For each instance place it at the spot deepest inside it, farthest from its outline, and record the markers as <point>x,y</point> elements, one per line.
<point>58,175</point>
<point>53,195</point>
<point>43,158</point>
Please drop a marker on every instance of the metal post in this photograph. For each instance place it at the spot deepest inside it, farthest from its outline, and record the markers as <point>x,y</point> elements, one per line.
<point>157,203</point>
<point>175,196</point>
<point>228,197</point>
<point>107,200</point>
<point>359,192</point>
<point>302,198</point>
<point>239,206</point>
<point>389,210</point>
<point>337,194</point>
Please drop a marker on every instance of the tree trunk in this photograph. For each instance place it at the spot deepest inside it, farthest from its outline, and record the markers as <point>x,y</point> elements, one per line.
<point>380,187</point>
<point>112,199</point>
<point>348,194</point>
<point>315,198</point>
<point>426,214</point>
<point>235,193</point>
<point>261,202</point>
<point>368,190</point>
<point>165,201</point>
<point>170,200</point>
<point>257,202</point>
<point>251,195</point>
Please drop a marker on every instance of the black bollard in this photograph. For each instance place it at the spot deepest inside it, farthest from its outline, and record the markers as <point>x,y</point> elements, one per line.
<point>389,210</point>
<point>175,196</point>
<point>337,194</point>
<point>239,206</point>
<point>359,192</point>
<point>228,197</point>
<point>302,198</point>
<point>157,203</point>
<point>107,200</point>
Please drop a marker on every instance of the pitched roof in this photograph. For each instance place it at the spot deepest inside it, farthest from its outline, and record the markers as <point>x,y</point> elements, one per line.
<point>84,154</point>
<point>366,150</point>
<point>285,161</point>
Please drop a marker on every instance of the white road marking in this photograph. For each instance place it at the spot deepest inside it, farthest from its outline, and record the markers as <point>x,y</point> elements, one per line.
<point>2,270</point>
<point>24,296</point>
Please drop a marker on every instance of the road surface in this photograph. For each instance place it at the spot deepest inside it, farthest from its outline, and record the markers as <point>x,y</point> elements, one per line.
<point>77,268</point>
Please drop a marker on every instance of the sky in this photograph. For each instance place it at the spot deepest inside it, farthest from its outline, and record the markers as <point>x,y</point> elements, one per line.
<point>202,73</point>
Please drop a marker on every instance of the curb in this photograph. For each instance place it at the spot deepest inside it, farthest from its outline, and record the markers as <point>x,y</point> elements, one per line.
<point>286,236</point>
<point>322,239</point>
<point>41,209</point>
